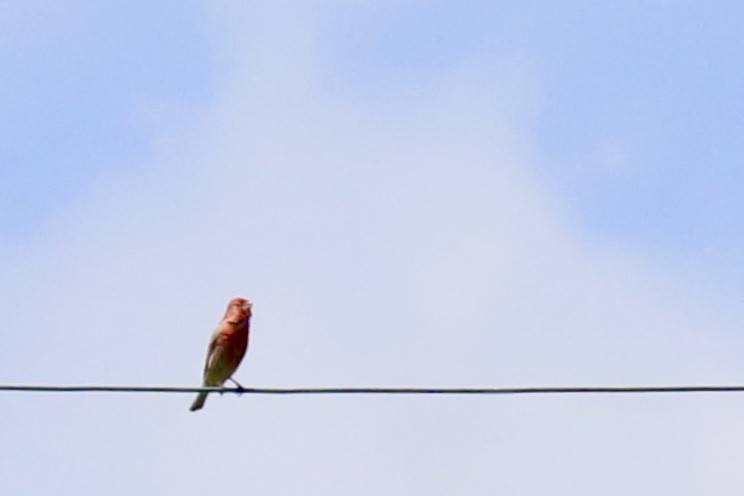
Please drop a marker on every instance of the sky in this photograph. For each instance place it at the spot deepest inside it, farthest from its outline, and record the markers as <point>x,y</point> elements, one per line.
<point>412,194</point>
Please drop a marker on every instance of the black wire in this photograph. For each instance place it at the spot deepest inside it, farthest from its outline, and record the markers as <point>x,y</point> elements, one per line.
<point>381,390</point>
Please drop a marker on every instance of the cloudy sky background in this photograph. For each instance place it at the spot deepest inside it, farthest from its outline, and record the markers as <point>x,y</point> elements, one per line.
<point>413,194</point>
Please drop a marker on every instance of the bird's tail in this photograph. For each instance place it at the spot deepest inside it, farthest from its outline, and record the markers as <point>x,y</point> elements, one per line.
<point>199,401</point>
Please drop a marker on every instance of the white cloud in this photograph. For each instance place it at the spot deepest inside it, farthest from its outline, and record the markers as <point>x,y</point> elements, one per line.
<point>412,248</point>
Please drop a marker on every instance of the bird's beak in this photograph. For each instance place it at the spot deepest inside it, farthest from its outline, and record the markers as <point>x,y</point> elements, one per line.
<point>247,305</point>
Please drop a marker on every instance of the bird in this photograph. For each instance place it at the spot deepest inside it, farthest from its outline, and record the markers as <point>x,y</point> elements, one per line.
<point>227,347</point>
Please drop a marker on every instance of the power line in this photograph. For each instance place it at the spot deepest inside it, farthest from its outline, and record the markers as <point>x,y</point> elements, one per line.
<point>527,390</point>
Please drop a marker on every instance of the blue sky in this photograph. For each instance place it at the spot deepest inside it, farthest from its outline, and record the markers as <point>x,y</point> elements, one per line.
<point>412,193</point>
<point>74,79</point>
<point>657,86</point>
<point>636,127</point>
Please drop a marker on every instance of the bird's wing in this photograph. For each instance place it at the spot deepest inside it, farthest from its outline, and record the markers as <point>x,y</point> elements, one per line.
<point>210,351</point>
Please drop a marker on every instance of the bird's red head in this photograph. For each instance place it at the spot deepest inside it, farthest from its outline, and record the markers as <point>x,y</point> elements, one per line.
<point>238,309</point>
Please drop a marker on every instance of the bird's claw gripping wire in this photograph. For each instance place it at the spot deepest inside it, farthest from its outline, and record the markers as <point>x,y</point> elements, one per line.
<point>238,387</point>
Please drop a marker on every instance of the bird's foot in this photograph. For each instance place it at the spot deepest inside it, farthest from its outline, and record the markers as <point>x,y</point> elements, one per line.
<point>239,387</point>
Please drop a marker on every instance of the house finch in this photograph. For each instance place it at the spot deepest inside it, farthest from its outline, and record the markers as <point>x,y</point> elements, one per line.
<point>227,347</point>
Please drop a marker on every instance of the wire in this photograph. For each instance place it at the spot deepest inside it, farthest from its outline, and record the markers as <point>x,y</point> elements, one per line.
<point>529,390</point>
